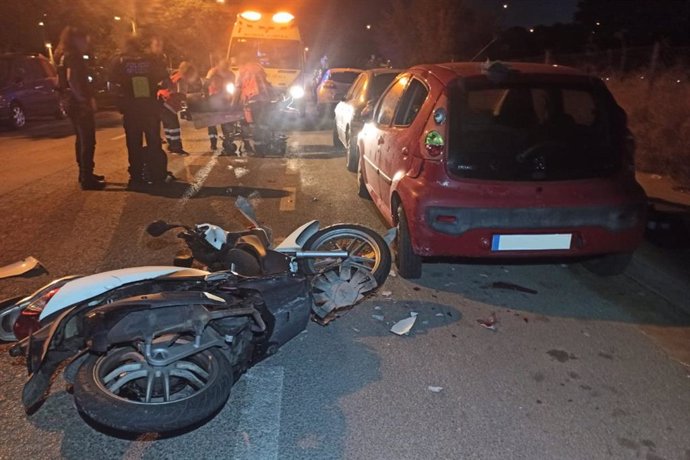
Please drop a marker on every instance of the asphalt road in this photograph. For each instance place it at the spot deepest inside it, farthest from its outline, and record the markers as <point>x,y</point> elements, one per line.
<point>585,368</point>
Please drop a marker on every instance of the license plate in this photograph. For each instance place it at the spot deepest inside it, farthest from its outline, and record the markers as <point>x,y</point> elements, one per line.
<point>548,242</point>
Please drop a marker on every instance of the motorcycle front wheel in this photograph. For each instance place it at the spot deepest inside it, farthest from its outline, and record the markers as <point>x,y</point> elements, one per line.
<point>367,250</point>
<point>120,390</point>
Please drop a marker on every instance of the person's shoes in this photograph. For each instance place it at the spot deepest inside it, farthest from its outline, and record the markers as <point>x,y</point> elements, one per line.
<point>137,184</point>
<point>180,152</point>
<point>97,177</point>
<point>92,184</point>
<point>214,146</point>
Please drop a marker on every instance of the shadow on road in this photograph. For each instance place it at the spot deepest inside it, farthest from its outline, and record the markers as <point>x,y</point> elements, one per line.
<point>178,190</point>
<point>57,129</point>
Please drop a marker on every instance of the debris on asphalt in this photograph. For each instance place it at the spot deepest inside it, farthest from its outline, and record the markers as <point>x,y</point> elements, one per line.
<point>489,323</point>
<point>434,389</point>
<point>417,288</point>
<point>483,275</point>
<point>315,199</point>
<point>392,274</point>
<point>404,326</point>
<point>378,317</point>
<point>413,313</point>
<point>525,319</point>
<point>240,172</point>
<point>656,177</point>
<point>512,287</point>
<point>387,293</point>
<point>440,315</point>
<point>377,307</point>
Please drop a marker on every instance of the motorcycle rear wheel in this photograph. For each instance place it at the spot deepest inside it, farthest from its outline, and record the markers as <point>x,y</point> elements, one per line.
<point>196,388</point>
<point>368,250</point>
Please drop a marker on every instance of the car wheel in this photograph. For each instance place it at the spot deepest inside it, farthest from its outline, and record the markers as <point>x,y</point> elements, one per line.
<point>351,155</point>
<point>362,186</point>
<point>17,116</point>
<point>336,139</point>
<point>609,265</point>
<point>408,263</point>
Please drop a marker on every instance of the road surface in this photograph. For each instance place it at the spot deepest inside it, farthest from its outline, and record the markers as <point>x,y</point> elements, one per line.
<point>585,368</point>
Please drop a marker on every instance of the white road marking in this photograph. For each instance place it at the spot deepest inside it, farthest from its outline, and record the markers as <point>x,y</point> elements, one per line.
<point>121,136</point>
<point>289,202</point>
<point>258,430</point>
<point>199,179</point>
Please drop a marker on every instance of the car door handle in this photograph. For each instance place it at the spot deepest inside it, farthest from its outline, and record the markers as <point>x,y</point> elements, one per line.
<point>381,140</point>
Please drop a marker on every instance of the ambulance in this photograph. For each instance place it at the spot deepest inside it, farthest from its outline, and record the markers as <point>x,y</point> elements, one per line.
<point>274,39</point>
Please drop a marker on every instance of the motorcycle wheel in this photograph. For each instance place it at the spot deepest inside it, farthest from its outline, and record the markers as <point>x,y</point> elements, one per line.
<point>120,390</point>
<point>367,250</point>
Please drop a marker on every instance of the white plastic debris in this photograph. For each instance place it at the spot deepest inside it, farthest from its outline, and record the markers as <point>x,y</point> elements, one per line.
<point>439,315</point>
<point>392,274</point>
<point>434,389</point>
<point>387,293</point>
<point>240,172</point>
<point>378,317</point>
<point>377,307</point>
<point>483,275</point>
<point>404,326</point>
<point>413,313</point>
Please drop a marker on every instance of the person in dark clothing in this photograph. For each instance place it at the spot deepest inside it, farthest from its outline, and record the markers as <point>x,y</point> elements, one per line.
<point>77,96</point>
<point>138,76</point>
<point>219,80</point>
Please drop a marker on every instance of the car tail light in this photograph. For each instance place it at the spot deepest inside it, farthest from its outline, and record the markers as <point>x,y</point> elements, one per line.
<point>434,143</point>
<point>28,320</point>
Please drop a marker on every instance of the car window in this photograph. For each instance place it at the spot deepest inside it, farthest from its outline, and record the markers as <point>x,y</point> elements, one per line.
<point>379,84</point>
<point>344,77</point>
<point>411,103</point>
<point>356,88</point>
<point>389,101</point>
<point>538,131</point>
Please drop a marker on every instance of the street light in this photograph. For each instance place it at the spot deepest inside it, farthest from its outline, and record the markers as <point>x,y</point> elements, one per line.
<point>368,26</point>
<point>505,6</point>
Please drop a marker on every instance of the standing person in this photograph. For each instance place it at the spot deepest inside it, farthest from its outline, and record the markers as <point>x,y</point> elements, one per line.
<point>77,96</point>
<point>254,88</point>
<point>218,79</point>
<point>138,76</point>
<point>172,97</point>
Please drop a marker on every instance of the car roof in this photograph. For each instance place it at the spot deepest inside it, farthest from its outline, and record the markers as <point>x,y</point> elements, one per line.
<point>451,70</point>
<point>382,71</point>
<point>345,69</point>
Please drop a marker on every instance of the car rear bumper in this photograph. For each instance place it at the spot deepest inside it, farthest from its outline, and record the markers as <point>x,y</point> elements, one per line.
<point>465,232</point>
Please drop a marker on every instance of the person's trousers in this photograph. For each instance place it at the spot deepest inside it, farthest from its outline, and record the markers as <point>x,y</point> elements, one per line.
<point>171,127</point>
<point>227,130</point>
<point>139,125</point>
<point>84,124</point>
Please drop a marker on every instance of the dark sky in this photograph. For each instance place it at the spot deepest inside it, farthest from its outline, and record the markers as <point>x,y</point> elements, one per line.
<point>528,13</point>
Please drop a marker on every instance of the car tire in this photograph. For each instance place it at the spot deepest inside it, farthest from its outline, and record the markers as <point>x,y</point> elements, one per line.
<point>17,116</point>
<point>351,154</point>
<point>609,265</point>
<point>408,263</point>
<point>362,191</point>
<point>336,139</point>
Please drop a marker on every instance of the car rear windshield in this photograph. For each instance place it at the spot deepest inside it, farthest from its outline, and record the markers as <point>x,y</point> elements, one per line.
<point>533,132</point>
<point>344,77</point>
<point>379,84</point>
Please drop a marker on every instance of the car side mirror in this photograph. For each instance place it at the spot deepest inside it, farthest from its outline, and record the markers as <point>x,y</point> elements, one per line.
<point>368,111</point>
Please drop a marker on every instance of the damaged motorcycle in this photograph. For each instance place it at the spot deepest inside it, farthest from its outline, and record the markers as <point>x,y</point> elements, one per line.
<point>157,349</point>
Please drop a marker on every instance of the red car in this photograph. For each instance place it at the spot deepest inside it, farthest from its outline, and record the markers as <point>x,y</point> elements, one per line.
<point>499,160</point>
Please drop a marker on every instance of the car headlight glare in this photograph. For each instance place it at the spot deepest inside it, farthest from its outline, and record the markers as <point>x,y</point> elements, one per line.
<point>297,92</point>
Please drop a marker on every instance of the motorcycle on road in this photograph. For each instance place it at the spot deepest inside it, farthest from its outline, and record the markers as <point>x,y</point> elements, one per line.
<point>157,349</point>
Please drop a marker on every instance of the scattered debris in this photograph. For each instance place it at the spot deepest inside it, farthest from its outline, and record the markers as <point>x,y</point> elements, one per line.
<point>392,274</point>
<point>387,293</point>
<point>378,317</point>
<point>489,323</point>
<point>413,313</point>
<point>440,315</point>
<point>512,287</point>
<point>417,288</point>
<point>656,177</point>
<point>240,172</point>
<point>525,319</point>
<point>231,167</point>
<point>377,307</point>
<point>434,389</point>
<point>315,199</point>
<point>355,329</point>
<point>404,326</point>
<point>483,275</point>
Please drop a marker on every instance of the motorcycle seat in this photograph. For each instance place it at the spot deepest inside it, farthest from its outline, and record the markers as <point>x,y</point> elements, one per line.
<point>270,262</point>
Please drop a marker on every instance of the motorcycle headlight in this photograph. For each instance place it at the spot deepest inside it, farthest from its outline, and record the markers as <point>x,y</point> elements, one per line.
<point>230,88</point>
<point>297,92</point>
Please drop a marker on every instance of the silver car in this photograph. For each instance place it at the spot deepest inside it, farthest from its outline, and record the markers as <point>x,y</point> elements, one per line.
<point>334,85</point>
<point>353,109</point>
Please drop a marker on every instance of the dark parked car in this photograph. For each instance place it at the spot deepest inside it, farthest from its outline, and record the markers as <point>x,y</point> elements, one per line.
<point>28,88</point>
<point>358,102</point>
<point>503,161</point>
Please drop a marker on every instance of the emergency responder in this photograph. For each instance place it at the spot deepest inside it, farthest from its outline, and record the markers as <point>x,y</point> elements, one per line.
<point>220,84</point>
<point>138,76</point>
<point>172,97</point>
<point>254,89</point>
<point>77,96</point>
